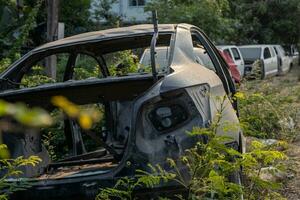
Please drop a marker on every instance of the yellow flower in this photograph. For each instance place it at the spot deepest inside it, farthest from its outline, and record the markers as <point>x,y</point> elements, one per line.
<point>240,95</point>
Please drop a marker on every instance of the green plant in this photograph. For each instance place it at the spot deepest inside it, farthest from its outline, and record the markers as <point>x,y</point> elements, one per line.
<point>128,61</point>
<point>261,156</point>
<point>11,168</point>
<point>29,24</point>
<point>4,63</point>
<point>211,164</point>
<point>209,15</point>
<point>125,187</point>
<point>103,11</point>
<point>36,77</point>
<point>267,114</point>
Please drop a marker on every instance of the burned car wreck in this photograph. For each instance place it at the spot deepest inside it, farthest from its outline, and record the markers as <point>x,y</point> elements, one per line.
<point>146,113</point>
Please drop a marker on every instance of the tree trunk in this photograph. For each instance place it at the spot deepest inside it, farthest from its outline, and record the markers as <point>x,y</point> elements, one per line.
<point>52,26</point>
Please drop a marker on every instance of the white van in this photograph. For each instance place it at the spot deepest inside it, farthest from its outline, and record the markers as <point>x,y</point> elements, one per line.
<point>265,53</point>
<point>236,56</point>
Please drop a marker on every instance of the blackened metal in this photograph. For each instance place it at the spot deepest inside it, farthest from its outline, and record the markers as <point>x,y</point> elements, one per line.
<point>153,44</point>
<point>81,162</point>
<point>90,155</point>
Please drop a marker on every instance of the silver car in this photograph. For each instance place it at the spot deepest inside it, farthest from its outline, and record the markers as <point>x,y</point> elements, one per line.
<point>265,53</point>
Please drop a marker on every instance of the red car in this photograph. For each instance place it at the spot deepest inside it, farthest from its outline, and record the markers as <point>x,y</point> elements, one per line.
<point>232,67</point>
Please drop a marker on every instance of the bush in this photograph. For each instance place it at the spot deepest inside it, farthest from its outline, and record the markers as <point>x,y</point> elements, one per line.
<point>4,63</point>
<point>268,114</point>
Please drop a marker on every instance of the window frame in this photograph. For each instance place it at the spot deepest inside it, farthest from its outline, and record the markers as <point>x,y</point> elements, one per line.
<point>238,54</point>
<point>220,64</point>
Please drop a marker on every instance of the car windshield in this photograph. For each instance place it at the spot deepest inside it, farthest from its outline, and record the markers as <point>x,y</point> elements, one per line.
<point>251,53</point>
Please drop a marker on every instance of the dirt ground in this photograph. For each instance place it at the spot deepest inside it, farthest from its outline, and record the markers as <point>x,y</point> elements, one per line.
<point>286,84</point>
<point>291,186</point>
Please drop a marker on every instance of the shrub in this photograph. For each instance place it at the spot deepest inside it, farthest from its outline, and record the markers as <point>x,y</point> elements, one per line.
<point>4,63</point>
<point>11,167</point>
<point>268,115</point>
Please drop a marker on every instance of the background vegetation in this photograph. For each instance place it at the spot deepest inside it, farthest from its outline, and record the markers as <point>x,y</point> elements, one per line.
<point>230,22</point>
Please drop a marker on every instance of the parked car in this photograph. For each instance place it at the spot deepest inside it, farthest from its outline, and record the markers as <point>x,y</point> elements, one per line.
<point>265,53</point>
<point>145,114</point>
<point>162,54</point>
<point>293,53</point>
<point>236,56</point>
<point>284,61</point>
<point>235,73</point>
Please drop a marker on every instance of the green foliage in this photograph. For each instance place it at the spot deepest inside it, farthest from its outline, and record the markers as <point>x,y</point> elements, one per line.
<point>11,167</point>
<point>83,73</point>
<point>266,21</point>
<point>75,15</point>
<point>4,63</point>
<point>268,114</point>
<point>29,24</point>
<point>86,67</point>
<point>209,15</point>
<point>211,163</point>
<point>103,12</point>
<point>238,22</point>
<point>36,77</point>
<point>125,187</point>
<point>128,60</point>
<point>261,156</point>
<point>54,137</point>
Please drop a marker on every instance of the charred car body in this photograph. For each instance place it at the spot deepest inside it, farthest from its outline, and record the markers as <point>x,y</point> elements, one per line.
<point>146,114</point>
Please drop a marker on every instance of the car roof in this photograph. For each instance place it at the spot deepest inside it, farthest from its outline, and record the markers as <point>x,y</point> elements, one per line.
<point>255,46</point>
<point>226,46</point>
<point>108,34</point>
